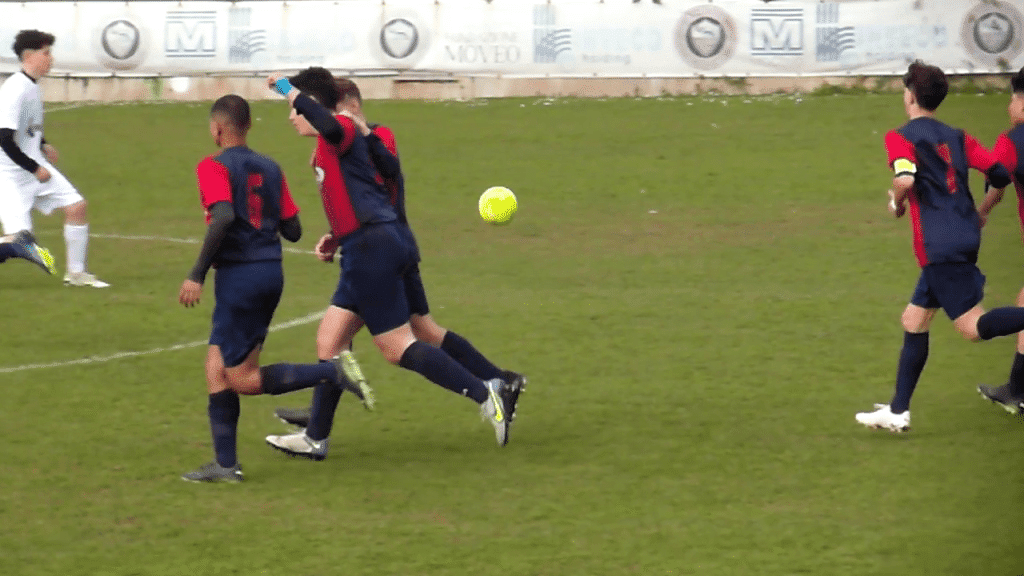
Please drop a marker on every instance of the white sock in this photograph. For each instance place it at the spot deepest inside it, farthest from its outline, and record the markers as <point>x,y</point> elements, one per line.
<point>76,238</point>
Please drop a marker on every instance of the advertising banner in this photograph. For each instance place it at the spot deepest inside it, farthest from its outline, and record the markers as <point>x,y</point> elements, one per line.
<point>523,38</point>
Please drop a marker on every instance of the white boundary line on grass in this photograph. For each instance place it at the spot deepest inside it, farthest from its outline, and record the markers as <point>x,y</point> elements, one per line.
<point>307,319</point>
<point>176,241</point>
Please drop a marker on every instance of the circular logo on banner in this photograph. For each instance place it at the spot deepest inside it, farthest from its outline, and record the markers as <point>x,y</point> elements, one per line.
<point>119,44</point>
<point>992,33</point>
<point>401,40</point>
<point>705,37</point>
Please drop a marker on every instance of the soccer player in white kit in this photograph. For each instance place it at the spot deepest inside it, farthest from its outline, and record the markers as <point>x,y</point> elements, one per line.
<point>27,177</point>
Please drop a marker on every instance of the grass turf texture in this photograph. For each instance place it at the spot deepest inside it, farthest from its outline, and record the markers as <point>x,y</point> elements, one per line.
<point>702,290</point>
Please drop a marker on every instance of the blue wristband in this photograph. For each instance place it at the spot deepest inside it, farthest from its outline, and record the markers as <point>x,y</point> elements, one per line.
<point>283,86</point>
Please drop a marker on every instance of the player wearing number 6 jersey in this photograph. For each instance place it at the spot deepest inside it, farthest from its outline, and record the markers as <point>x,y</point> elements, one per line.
<point>247,206</point>
<point>930,162</point>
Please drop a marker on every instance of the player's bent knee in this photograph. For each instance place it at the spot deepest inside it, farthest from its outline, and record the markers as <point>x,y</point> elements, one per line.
<point>433,335</point>
<point>392,349</point>
<point>913,325</point>
<point>392,354</point>
<point>76,213</point>
<point>393,343</point>
<point>916,319</point>
<point>967,324</point>
<point>969,333</point>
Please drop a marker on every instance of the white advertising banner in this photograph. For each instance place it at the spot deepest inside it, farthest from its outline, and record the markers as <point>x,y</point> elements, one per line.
<point>524,38</point>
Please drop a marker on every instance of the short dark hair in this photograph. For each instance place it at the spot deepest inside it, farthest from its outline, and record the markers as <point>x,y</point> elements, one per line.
<point>1017,82</point>
<point>234,110</point>
<point>319,83</point>
<point>347,89</point>
<point>928,83</point>
<point>32,40</point>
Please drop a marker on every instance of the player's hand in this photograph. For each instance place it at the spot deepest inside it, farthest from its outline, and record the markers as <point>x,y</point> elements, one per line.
<point>982,219</point>
<point>272,79</point>
<point>51,153</point>
<point>326,247</point>
<point>42,174</point>
<point>895,210</point>
<point>358,120</point>
<point>189,294</point>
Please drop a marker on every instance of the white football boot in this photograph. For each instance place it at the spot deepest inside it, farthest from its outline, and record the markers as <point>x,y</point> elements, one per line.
<point>883,418</point>
<point>299,444</point>
<point>83,279</point>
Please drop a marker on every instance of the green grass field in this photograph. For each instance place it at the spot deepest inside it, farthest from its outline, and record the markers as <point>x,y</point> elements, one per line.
<point>703,291</point>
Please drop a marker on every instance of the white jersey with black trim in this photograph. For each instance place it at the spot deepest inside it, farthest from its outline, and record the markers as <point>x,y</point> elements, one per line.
<point>21,110</point>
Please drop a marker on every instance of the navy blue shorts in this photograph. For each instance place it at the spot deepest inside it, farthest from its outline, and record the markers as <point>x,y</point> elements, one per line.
<point>246,297</point>
<point>956,287</point>
<point>376,267</point>
<point>415,293</point>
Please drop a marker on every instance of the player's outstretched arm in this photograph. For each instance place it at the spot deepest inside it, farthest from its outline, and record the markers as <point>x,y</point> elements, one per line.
<point>321,119</point>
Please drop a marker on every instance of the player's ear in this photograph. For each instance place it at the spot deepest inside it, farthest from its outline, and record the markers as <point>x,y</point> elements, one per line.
<point>215,130</point>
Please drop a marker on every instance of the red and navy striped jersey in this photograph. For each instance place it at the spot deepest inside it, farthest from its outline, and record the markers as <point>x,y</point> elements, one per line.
<point>257,191</point>
<point>352,196</point>
<point>945,223</point>
<point>1009,149</point>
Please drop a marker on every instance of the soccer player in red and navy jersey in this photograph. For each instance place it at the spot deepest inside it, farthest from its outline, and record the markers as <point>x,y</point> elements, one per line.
<point>930,161</point>
<point>247,204</point>
<point>1009,150</point>
<point>317,420</point>
<point>378,255</point>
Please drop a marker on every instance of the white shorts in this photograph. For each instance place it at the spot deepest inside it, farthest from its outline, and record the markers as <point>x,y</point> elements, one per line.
<point>20,192</point>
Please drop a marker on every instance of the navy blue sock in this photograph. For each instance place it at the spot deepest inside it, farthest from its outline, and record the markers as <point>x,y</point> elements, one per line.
<point>7,251</point>
<point>283,378</point>
<point>471,359</point>
<point>1017,375</point>
<point>224,409</point>
<point>1001,322</point>
<point>442,370</point>
<point>912,359</point>
<point>325,402</point>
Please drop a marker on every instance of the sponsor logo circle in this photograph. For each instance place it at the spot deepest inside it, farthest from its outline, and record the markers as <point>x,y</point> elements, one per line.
<point>119,44</point>
<point>401,41</point>
<point>399,38</point>
<point>991,33</point>
<point>705,37</point>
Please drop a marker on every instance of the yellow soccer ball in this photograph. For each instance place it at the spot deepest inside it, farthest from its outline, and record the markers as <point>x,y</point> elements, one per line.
<point>498,205</point>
